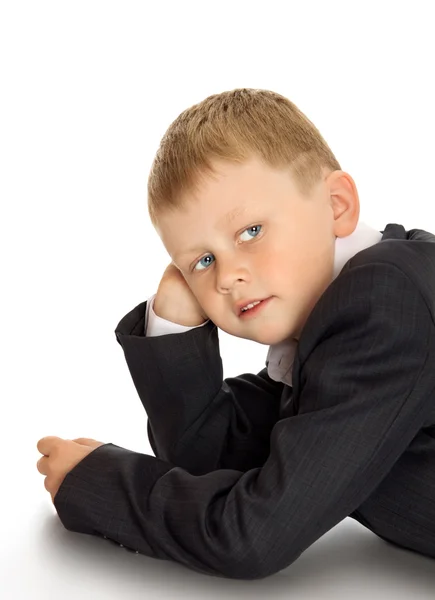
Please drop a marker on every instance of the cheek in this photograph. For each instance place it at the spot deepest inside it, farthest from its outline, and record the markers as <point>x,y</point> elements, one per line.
<point>275,266</point>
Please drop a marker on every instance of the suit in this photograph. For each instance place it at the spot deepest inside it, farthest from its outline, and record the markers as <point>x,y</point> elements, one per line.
<point>248,471</point>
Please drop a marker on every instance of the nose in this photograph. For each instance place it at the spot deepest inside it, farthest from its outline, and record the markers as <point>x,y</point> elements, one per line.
<point>229,272</point>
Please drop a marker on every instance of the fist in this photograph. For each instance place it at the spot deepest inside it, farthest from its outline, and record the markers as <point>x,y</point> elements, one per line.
<point>175,301</point>
<point>60,457</point>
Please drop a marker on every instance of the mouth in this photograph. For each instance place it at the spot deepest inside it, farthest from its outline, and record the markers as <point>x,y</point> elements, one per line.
<point>251,312</point>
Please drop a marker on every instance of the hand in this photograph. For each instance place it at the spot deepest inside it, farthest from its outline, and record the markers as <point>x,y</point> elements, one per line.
<point>175,301</point>
<point>60,457</point>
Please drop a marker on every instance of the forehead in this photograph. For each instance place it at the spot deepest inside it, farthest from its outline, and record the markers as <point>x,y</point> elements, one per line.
<point>234,192</point>
<point>233,188</point>
<point>237,211</point>
<point>226,193</point>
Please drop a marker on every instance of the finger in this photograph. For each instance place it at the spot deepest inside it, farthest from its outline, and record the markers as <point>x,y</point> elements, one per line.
<point>42,465</point>
<point>51,488</point>
<point>47,443</point>
<point>87,442</point>
<point>51,485</point>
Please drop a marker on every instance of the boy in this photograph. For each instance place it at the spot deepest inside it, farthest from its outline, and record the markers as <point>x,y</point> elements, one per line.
<point>261,225</point>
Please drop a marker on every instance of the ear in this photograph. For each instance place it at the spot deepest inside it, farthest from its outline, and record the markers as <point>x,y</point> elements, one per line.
<point>344,201</point>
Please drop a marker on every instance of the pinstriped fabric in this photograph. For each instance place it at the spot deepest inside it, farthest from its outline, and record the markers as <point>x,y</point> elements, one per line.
<point>249,472</point>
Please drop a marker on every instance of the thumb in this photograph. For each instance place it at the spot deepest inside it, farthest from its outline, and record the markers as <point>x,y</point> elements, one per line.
<point>88,442</point>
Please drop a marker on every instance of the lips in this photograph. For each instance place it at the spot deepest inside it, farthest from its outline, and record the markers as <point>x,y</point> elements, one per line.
<point>243,303</point>
<point>252,313</point>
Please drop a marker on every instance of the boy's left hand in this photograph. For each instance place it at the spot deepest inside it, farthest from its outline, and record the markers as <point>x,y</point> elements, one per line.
<point>60,457</point>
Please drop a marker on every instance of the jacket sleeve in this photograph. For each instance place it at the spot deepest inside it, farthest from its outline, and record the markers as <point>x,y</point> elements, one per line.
<point>197,420</point>
<point>363,387</point>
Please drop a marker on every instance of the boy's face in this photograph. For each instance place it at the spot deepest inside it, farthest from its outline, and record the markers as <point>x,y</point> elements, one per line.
<point>280,245</point>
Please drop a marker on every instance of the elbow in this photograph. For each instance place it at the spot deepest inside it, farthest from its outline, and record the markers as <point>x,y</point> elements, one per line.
<point>256,567</point>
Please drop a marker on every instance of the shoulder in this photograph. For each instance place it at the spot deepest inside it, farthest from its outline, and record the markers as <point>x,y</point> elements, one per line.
<point>388,265</point>
<point>372,323</point>
<point>379,292</point>
<point>413,258</point>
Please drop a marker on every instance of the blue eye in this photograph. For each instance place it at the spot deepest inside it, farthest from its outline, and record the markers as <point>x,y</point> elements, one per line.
<point>255,227</point>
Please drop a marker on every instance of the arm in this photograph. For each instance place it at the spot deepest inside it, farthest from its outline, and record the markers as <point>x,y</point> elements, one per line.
<point>195,419</point>
<point>363,386</point>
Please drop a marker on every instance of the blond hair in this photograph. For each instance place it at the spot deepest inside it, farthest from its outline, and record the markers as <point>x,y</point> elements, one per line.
<point>234,126</point>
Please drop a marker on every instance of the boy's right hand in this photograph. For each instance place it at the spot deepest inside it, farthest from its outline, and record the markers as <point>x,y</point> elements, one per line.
<point>175,301</point>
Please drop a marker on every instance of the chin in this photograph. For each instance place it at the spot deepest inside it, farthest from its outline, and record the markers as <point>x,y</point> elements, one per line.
<point>270,338</point>
<point>267,339</point>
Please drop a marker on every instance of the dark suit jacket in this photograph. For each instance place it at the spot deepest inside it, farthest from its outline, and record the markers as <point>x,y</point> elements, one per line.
<point>249,472</point>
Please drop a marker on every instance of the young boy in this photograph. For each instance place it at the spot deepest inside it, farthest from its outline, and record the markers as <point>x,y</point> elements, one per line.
<point>262,227</point>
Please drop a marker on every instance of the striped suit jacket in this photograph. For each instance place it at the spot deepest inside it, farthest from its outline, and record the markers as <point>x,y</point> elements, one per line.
<point>249,472</point>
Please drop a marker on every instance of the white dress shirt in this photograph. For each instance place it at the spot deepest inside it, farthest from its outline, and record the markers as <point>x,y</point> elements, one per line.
<point>280,356</point>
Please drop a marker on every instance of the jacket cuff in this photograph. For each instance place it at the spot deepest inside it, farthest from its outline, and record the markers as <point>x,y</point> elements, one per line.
<point>92,497</point>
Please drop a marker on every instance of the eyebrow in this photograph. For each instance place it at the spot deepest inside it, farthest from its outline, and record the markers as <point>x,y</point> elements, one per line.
<point>226,220</point>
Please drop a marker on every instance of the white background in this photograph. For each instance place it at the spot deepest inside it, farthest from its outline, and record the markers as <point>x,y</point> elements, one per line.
<point>87,91</point>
